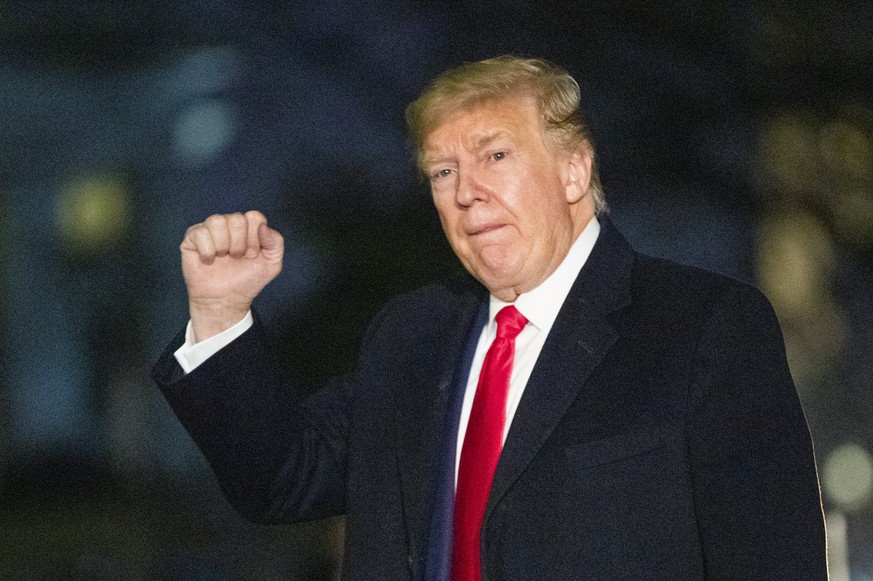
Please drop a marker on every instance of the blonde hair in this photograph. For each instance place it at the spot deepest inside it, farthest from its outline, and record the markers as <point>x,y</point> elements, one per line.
<point>473,84</point>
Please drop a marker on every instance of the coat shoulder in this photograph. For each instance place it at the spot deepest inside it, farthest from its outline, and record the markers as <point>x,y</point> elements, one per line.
<point>684,287</point>
<point>431,303</point>
<point>425,313</point>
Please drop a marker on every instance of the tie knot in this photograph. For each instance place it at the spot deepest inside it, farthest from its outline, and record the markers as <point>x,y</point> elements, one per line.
<point>510,322</point>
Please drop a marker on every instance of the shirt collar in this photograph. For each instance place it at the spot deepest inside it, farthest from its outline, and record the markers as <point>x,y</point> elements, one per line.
<point>540,306</point>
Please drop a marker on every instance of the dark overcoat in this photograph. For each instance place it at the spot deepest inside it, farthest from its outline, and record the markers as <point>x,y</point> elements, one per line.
<point>660,435</point>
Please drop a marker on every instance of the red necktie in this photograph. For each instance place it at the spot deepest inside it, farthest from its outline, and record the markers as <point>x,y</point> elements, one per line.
<point>482,445</point>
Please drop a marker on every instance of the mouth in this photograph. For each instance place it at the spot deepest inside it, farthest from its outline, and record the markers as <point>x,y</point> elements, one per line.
<point>484,229</point>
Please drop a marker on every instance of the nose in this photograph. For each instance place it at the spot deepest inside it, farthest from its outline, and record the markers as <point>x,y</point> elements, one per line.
<point>470,188</point>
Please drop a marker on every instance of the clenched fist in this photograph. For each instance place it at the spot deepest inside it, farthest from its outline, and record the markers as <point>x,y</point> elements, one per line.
<point>226,261</point>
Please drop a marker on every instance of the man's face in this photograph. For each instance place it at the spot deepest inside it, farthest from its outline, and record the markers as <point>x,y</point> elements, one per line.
<point>510,204</point>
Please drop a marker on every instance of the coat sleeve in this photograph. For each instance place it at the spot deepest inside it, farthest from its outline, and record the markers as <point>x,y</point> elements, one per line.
<point>276,460</point>
<point>756,491</point>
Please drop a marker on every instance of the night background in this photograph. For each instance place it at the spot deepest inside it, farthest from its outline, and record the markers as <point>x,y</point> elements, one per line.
<point>737,136</point>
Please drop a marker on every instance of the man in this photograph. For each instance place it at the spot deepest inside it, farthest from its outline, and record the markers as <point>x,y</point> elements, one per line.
<point>580,412</point>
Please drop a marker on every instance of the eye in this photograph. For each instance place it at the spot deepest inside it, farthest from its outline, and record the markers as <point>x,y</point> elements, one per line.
<point>442,173</point>
<point>497,156</point>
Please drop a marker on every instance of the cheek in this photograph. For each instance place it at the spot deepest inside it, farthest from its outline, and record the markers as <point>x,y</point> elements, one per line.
<point>443,211</point>
<point>535,217</point>
<point>547,206</point>
<point>449,221</point>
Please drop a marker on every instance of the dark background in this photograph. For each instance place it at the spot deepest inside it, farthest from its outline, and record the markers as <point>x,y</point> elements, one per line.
<point>734,135</point>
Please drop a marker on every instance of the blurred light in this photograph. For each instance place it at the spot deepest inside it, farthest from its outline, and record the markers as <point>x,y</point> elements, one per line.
<point>795,265</point>
<point>203,131</point>
<point>838,546</point>
<point>847,476</point>
<point>846,150</point>
<point>853,210</point>
<point>205,70</point>
<point>795,260</point>
<point>827,161</point>
<point>788,155</point>
<point>92,212</point>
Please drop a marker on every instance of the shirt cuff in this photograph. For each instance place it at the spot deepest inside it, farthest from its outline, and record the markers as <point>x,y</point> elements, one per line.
<point>191,355</point>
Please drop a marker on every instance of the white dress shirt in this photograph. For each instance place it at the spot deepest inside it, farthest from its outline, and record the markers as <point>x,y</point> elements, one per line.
<point>539,306</point>
<point>190,355</point>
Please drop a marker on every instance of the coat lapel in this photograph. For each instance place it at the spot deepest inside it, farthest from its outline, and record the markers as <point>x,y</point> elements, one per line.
<point>422,410</point>
<point>578,341</point>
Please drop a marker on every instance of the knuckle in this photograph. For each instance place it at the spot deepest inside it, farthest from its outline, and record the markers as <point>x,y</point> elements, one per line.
<point>236,219</point>
<point>201,233</point>
<point>215,221</point>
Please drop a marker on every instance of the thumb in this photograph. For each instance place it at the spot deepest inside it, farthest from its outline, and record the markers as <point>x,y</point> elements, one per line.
<point>272,243</point>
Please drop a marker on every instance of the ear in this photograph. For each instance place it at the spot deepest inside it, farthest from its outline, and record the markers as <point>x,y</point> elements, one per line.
<point>578,173</point>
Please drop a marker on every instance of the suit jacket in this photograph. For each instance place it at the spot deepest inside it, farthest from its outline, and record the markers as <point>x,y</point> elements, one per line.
<point>659,436</point>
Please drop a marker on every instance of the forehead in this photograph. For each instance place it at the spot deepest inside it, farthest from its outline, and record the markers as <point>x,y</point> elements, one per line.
<point>473,127</point>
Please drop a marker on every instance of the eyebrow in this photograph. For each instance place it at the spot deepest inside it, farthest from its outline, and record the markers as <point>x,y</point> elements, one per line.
<point>429,160</point>
<point>478,144</point>
<point>489,138</point>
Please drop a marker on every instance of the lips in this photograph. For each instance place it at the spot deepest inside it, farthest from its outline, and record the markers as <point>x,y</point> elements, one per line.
<point>483,229</point>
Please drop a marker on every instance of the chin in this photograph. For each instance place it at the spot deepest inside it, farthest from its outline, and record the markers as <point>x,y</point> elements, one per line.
<point>497,285</point>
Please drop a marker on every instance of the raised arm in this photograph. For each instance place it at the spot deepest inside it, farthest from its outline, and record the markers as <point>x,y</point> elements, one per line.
<point>276,459</point>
